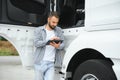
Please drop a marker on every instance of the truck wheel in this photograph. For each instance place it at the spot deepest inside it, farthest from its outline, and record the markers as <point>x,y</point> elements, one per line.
<point>94,70</point>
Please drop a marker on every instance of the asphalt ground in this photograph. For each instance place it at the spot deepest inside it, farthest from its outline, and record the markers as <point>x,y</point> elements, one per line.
<point>12,69</point>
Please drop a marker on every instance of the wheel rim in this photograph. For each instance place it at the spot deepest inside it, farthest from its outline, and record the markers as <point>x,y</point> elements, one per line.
<point>89,77</point>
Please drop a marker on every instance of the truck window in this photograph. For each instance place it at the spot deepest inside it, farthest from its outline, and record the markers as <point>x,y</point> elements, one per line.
<point>25,12</point>
<point>0,9</point>
<point>72,13</point>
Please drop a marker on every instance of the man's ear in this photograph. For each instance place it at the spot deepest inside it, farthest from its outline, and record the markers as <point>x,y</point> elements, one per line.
<point>48,19</point>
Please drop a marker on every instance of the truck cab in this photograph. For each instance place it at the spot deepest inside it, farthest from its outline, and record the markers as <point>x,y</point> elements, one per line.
<point>92,42</point>
<point>91,29</point>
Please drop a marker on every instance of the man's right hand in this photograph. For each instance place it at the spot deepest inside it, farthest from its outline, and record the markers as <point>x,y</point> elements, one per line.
<point>55,38</point>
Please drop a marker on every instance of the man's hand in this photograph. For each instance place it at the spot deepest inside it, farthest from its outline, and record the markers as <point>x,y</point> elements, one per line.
<point>55,38</point>
<point>56,45</point>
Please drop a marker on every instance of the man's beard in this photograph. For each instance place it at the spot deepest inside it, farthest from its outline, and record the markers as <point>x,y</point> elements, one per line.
<point>52,27</point>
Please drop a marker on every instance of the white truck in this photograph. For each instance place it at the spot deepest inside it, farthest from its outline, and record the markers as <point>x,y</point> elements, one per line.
<point>91,29</point>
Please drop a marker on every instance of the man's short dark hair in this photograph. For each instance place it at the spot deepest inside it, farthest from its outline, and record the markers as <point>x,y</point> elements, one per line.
<point>51,14</point>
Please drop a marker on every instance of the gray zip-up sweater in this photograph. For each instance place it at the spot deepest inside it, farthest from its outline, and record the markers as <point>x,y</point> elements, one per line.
<point>40,44</point>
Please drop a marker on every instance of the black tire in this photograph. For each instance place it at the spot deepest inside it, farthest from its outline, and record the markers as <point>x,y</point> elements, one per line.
<point>94,70</point>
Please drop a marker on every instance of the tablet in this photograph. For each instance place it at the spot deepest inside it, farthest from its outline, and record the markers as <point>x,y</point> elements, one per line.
<point>56,41</point>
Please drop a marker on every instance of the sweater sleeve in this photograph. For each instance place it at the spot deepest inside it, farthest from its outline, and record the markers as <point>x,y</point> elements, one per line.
<point>60,34</point>
<point>38,38</point>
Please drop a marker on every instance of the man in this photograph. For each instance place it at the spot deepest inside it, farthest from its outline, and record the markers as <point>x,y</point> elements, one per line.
<point>47,49</point>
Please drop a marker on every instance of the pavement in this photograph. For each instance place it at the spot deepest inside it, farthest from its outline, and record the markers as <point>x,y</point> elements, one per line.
<point>12,69</point>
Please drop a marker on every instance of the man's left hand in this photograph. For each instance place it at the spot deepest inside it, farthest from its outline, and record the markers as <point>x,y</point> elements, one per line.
<point>56,45</point>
